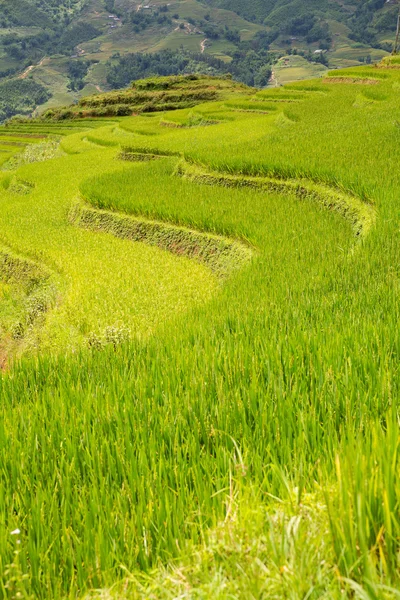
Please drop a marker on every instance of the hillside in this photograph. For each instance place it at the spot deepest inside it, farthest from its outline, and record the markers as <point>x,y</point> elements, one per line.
<point>152,95</point>
<point>199,342</point>
<point>75,48</point>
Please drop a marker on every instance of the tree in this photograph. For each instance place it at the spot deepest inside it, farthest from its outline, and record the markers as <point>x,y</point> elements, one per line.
<point>396,44</point>
<point>263,76</point>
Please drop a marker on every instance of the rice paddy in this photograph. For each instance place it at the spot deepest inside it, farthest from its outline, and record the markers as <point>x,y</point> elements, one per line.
<point>200,349</point>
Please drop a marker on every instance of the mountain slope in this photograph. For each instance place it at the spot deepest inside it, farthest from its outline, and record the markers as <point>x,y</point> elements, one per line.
<point>261,9</point>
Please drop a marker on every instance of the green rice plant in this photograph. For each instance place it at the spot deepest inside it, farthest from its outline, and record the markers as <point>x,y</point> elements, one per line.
<point>360,73</point>
<point>360,214</point>
<point>163,94</point>
<point>251,106</point>
<point>168,433</point>
<point>390,61</point>
<point>70,309</point>
<point>363,512</point>
<point>38,152</point>
<point>222,256</point>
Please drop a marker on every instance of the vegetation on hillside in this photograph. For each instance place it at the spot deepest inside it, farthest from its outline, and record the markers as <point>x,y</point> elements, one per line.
<point>21,97</point>
<point>365,23</point>
<point>55,41</point>
<point>244,38</point>
<point>173,426</point>
<point>39,13</point>
<point>248,66</point>
<point>77,71</point>
<point>151,95</point>
<point>125,69</point>
<point>309,19</point>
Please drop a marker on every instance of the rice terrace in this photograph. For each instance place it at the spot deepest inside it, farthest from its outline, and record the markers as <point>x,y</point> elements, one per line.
<point>200,347</point>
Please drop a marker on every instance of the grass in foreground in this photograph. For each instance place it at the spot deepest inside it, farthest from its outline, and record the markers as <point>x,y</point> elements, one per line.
<point>249,447</point>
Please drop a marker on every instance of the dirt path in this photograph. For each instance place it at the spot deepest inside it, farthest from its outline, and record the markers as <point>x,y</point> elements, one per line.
<point>25,74</point>
<point>203,45</point>
<point>273,80</point>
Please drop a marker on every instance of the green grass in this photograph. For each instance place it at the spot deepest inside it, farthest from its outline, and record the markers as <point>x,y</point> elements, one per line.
<point>296,68</point>
<point>152,95</point>
<point>69,321</point>
<point>167,433</point>
<point>176,39</point>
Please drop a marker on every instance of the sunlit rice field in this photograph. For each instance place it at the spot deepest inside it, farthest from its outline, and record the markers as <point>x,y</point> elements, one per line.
<point>200,347</point>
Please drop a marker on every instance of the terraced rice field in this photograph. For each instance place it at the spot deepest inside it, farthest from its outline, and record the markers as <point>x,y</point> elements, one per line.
<point>200,349</point>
